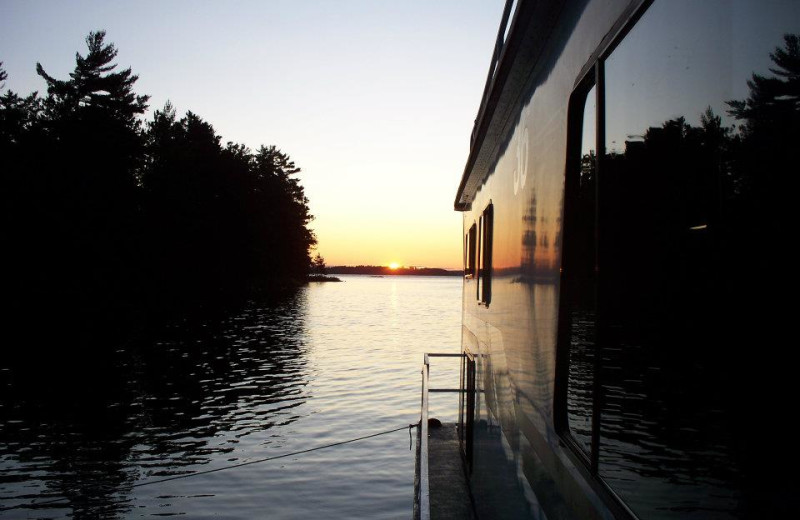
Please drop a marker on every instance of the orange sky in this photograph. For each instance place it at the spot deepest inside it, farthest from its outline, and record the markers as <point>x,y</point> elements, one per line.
<point>408,241</point>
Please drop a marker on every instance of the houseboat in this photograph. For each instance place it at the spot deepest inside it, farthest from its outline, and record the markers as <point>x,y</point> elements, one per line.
<point>626,203</point>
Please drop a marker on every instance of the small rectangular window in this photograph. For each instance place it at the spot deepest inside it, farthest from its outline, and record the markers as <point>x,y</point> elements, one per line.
<point>470,250</point>
<point>478,260</point>
<point>485,256</point>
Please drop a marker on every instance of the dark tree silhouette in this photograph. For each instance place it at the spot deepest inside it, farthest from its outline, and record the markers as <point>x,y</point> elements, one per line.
<point>764,152</point>
<point>318,265</point>
<point>82,227</point>
<point>289,213</point>
<point>772,100</point>
<point>108,221</point>
<point>242,223</point>
<point>93,85</point>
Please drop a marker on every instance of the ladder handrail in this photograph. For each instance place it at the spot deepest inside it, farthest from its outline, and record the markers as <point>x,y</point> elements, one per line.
<point>424,482</point>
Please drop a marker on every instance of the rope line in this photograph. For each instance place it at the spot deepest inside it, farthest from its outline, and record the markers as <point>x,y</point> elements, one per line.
<point>225,468</point>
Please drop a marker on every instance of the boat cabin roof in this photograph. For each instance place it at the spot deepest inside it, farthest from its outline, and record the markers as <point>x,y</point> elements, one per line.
<point>520,42</point>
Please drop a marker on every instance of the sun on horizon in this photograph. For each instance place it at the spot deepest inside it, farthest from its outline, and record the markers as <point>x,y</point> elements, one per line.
<point>393,265</point>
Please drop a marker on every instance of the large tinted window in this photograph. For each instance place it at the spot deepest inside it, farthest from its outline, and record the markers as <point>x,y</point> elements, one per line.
<point>697,186</point>
<point>580,284</point>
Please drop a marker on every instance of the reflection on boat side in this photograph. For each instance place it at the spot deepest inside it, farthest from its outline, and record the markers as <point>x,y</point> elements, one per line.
<point>630,361</point>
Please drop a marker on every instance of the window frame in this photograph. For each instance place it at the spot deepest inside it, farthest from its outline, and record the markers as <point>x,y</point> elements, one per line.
<point>576,111</point>
<point>591,75</point>
<point>485,260</point>
<point>470,252</point>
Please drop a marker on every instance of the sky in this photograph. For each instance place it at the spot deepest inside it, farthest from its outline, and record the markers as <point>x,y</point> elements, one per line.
<point>375,101</point>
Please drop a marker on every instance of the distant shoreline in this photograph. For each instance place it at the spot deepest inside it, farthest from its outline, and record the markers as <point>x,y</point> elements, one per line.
<point>382,270</point>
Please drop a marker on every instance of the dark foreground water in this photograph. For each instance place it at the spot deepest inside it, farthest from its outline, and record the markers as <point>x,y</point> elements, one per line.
<point>332,362</point>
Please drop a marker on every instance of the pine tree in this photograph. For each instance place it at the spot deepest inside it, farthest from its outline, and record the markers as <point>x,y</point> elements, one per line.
<point>287,212</point>
<point>94,86</point>
<point>773,101</point>
<point>764,164</point>
<point>88,209</point>
<point>318,265</point>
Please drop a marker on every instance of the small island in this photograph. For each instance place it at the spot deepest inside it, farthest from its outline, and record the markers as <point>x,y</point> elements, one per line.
<point>316,277</point>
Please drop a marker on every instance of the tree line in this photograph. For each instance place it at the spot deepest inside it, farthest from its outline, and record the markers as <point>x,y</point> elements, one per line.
<point>108,218</point>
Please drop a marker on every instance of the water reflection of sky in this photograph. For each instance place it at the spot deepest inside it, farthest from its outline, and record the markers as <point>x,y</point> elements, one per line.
<point>332,362</point>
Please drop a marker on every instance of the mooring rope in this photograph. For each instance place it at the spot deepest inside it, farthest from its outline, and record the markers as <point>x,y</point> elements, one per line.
<point>225,468</point>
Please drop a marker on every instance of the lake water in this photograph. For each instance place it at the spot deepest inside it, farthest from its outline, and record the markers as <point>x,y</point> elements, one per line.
<point>331,362</point>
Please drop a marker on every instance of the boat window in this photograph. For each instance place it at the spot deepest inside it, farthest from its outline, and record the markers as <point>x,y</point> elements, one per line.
<point>478,273</point>
<point>579,281</point>
<point>485,267</point>
<point>470,251</point>
<point>699,120</point>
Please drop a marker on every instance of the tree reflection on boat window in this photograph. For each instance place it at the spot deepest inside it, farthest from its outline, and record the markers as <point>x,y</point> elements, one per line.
<point>581,287</point>
<point>693,213</point>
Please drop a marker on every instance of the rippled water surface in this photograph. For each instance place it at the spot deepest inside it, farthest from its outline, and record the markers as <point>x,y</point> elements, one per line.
<point>332,362</point>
